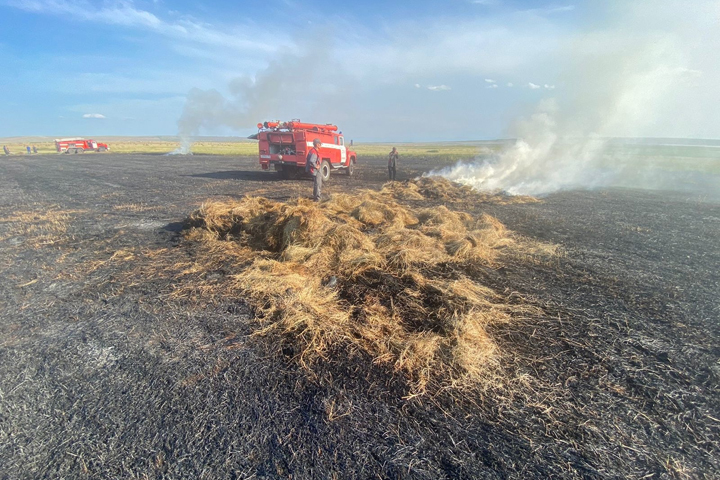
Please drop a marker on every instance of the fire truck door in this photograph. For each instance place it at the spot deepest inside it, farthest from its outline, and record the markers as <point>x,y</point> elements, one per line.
<point>343,151</point>
<point>93,145</point>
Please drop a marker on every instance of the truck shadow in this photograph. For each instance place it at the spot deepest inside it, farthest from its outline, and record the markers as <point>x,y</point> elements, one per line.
<point>256,176</point>
<point>271,176</point>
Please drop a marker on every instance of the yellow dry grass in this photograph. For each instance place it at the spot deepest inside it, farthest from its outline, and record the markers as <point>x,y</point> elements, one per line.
<point>43,225</point>
<point>136,207</point>
<point>367,272</point>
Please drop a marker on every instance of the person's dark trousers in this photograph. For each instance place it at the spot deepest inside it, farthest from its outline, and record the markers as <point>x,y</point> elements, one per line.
<point>391,173</point>
<point>317,186</point>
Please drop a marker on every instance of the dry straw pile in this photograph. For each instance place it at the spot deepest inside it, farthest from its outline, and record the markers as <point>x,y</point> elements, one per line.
<point>367,272</point>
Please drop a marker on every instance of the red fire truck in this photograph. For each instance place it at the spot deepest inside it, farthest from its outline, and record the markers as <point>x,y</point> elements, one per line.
<point>79,145</point>
<point>284,146</point>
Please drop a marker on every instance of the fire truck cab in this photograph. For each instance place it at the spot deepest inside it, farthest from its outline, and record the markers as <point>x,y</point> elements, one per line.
<point>284,147</point>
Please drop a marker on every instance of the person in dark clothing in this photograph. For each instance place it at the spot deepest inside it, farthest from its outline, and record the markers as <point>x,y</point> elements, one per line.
<point>34,149</point>
<point>392,163</point>
<point>312,165</point>
<point>6,150</point>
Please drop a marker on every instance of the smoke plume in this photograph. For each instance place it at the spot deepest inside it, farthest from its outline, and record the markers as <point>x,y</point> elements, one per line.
<point>615,83</point>
<point>288,85</point>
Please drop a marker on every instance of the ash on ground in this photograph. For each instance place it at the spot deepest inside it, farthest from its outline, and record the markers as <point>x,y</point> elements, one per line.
<point>105,372</point>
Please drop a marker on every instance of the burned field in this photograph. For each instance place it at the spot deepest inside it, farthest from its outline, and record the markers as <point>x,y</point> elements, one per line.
<point>146,332</point>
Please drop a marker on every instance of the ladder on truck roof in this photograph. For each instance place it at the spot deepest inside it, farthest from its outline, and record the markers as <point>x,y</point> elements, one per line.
<point>298,125</point>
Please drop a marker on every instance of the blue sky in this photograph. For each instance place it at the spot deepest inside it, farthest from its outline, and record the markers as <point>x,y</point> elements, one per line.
<point>385,71</point>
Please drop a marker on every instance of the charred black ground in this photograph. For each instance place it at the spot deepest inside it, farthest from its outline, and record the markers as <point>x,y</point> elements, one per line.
<point>104,373</point>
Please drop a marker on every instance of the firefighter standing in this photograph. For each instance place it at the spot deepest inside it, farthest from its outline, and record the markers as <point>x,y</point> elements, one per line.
<point>392,163</point>
<point>6,150</point>
<point>312,165</point>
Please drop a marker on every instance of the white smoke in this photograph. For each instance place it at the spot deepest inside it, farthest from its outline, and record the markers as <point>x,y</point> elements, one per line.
<point>185,147</point>
<point>287,86</point>
<point>616,81</point>
<point>538,162</point>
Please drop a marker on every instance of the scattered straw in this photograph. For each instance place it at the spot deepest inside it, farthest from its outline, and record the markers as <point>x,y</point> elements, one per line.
<point>41,226</point>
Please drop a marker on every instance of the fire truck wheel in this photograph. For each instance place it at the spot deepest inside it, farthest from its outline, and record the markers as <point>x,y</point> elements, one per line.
<point>325,170</point>
<point>102,149</point>
<point>80,150</point>
<point>350,168</point>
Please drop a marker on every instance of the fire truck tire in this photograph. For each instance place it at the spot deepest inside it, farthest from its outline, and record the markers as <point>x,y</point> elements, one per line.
<point>80,150</point>
<point>102,149</point>
<point>325,170</point>
<point>350,168</point>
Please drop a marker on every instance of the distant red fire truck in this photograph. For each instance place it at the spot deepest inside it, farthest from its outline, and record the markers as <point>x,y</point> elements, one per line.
<point>284,146</point>
<point>79,145</point>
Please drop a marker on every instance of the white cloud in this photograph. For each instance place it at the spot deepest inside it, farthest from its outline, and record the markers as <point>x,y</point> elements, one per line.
<point>373,59</point>
<point>507,45</point>
<point>93,115</point>
<point>551,9</point>
<point>500,43</point>
<point>153,82</point>
<point>124,13</point>
<point>564,8</point>
<point>686,74</point>
<point>129,116</point>
<point>494,85</point>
